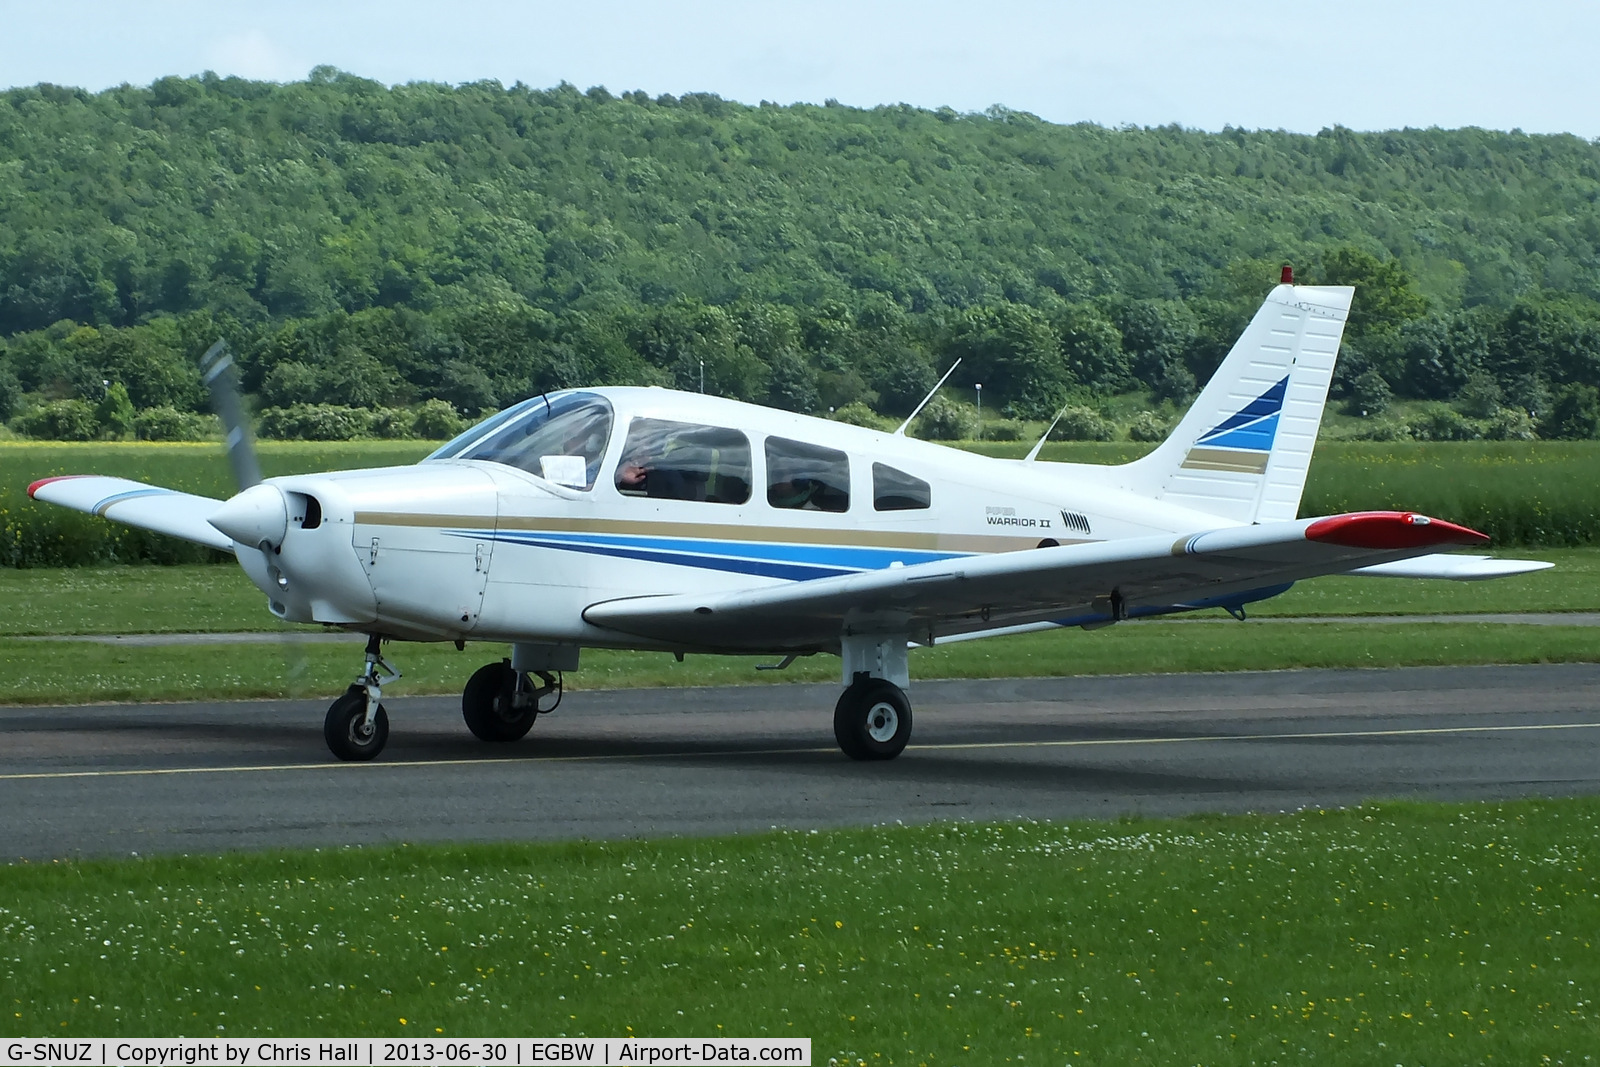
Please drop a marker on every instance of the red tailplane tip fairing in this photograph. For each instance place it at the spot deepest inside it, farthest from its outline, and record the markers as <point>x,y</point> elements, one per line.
<point>1391,530</point>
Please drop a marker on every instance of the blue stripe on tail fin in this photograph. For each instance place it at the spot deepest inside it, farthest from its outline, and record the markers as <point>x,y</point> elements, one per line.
<point>1254,426</point>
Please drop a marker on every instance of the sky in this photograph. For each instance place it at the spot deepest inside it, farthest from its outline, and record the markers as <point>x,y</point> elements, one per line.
<point>1363,64</point>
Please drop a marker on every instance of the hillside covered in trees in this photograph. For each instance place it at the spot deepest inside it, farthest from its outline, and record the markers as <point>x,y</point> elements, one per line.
<point>366,249</point>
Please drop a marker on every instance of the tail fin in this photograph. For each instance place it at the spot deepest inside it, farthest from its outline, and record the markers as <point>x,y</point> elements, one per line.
<point>1242,450</point>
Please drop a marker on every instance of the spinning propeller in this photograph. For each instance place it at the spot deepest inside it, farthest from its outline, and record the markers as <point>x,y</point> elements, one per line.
<point>257,515</point>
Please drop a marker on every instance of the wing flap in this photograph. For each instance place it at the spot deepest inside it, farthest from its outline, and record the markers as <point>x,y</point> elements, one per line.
<point>1104,579</point>
<point>149,507</point>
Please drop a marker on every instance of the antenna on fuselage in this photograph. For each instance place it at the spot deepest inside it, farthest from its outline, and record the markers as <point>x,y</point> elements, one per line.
<point>901,432</point>
<point>1034,454</point>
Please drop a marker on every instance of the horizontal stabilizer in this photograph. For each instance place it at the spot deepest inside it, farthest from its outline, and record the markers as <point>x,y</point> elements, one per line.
<point>1454,568</point>
<point>149,507</point>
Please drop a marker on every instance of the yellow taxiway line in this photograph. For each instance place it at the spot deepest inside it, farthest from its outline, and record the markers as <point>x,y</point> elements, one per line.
<point>1425,731</point>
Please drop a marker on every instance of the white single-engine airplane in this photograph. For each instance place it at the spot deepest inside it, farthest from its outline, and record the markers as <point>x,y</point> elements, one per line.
<point>651,519</point>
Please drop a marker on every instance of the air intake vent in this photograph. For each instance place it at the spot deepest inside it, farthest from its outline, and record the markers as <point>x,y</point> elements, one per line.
<point>1075,522</point>
<point>306,510</point>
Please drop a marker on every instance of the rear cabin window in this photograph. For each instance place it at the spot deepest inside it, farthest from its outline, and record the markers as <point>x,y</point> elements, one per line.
<point>685,461</point>
<point>806,477</point>
<point>895,490</point>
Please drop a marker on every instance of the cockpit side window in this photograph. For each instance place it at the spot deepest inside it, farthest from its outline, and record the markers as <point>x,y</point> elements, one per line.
<point>685,461</point>
<point>561,438</point>
<point>807,477</point>
<point>895,490</point>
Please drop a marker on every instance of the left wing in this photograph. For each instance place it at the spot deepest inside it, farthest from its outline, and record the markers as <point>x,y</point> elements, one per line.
<point>149,507</point>
<point>1073,584</point>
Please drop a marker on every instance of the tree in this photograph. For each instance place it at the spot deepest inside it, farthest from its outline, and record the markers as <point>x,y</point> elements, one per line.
<point>1385,300</point>
<point>1091,347</point>
<point>1012,350</point>
<point>1575,415</point>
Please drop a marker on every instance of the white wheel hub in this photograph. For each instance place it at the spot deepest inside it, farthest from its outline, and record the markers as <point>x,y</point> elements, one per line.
<point>882,721</point>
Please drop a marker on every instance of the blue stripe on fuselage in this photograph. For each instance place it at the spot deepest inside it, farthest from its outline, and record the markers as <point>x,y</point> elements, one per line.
<point>788,561</point>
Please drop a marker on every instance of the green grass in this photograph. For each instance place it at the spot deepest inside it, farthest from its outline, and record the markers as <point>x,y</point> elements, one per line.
<point>1392,933</point>
<point>193,598</point>
<point>71,672</point>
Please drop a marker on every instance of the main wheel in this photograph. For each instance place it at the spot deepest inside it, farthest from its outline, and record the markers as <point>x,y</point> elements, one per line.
<point>488,703</point>
<point>872,720</point>
<point>346,731</point>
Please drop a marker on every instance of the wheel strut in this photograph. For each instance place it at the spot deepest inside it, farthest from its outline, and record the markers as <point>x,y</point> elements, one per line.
<point>357,727</point>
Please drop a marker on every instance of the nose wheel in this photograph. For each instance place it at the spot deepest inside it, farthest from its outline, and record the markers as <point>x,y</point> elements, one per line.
<point>872,720</point>
<point>357,727</point>
<point>349,732</point>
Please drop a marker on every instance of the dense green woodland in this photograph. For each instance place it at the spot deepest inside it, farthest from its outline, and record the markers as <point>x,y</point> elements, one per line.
<point>366,249</point>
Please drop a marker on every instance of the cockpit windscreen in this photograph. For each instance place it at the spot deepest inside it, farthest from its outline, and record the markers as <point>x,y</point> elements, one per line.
<point>561,438</point>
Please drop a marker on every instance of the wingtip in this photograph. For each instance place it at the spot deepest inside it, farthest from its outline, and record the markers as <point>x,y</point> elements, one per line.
<point>1391,530</point>
<point>42,482</point>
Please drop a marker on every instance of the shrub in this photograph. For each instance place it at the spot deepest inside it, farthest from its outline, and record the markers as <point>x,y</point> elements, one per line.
<point>1509,424</point>
<point>167,423</point>
<point>1379,430</point>
<point>1148,427</point>
<point>314,422</point>
<point>393,424</point>
<point>1003,430</point>
<point>60,420</point>
<point>1084,424</point>
<point>858,414</point>
<point>946,420</point>
<point>1437,422</point>
<point>436,420</point>
<point>1369,395</point>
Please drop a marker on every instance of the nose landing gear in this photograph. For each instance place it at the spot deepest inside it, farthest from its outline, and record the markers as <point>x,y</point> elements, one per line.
<point>500,703</point>
<point>357,727</point>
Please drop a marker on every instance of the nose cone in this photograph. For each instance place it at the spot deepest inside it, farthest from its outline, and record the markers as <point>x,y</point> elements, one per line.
<point>258,514</point>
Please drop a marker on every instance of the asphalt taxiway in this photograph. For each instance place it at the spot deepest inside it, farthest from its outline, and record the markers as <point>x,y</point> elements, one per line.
<point>119,779</point>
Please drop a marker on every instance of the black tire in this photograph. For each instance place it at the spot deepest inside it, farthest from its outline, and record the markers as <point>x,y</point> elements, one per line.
<point>486,705</point>
<point>872,720</point>
<point>342,728</point>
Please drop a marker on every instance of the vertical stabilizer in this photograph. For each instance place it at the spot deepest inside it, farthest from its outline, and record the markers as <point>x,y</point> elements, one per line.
<point>1242,450</point>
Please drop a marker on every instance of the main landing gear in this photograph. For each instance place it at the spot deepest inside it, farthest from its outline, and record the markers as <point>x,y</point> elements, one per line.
<point>500,703</point>
<point>872,719</point>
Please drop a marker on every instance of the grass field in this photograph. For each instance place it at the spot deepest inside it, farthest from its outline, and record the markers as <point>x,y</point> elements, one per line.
<point>1395,933</point>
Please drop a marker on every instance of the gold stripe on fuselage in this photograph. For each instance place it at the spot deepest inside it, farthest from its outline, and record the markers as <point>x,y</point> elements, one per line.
<point>853,537</point>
